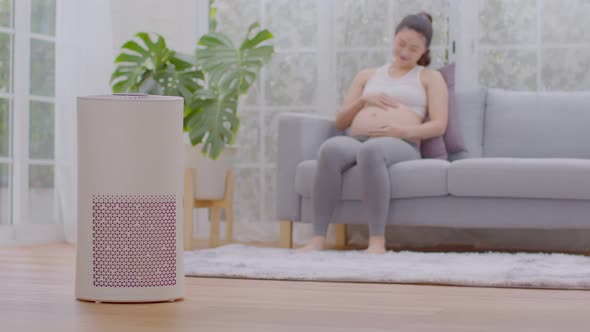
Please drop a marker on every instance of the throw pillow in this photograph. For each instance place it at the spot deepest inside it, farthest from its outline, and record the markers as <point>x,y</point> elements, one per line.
<point>451,141</point>
<point>452,136</point>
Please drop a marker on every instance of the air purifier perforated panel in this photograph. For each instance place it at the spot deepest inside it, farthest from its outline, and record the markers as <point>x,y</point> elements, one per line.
<point>134,240</point>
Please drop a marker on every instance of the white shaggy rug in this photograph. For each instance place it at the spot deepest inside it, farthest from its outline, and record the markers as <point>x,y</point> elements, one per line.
<point>558,271</point>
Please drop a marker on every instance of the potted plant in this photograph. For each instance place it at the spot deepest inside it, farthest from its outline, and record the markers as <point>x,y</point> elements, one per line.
<point>211,83</point>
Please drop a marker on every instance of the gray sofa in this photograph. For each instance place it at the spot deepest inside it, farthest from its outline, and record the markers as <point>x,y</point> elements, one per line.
<point>527,165</point>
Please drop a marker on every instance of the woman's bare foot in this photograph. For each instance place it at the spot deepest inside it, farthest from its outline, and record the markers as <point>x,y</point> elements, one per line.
<point>376,245</point>
<point>317,243</point>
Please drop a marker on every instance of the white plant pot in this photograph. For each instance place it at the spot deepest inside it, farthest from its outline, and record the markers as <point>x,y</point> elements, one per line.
<point>209,175</point>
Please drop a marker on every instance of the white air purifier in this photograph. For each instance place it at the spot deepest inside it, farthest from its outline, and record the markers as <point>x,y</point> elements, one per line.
<point>130,180</point>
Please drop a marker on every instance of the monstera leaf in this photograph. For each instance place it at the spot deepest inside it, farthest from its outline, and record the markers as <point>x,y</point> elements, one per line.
<point>211,120</point>
<point>137,62</point>
<point>233,70</point>
<point>180,78</point>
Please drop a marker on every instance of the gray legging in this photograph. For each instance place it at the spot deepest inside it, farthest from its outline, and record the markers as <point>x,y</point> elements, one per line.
<point>373,156</point>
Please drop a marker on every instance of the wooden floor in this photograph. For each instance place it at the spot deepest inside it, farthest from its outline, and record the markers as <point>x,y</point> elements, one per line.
<point>37,294</point>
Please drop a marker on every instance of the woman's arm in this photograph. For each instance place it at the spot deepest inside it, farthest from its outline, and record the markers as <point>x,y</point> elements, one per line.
<point>438,108</point>
<point>353,102</point>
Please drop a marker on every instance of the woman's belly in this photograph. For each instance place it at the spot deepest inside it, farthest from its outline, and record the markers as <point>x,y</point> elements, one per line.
<point>372,117</point>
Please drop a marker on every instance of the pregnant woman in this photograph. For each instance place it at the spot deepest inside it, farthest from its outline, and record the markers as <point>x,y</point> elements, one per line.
<point>383,114</point>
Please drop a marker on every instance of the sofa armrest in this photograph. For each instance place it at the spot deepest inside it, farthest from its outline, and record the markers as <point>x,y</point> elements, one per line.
<point>299,138</point>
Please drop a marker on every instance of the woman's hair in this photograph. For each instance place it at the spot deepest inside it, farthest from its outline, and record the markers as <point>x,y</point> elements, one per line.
<point>421,23</point>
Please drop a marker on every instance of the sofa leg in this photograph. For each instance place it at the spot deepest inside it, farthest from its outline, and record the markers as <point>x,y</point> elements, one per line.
<point>340,236</point>
<point>286,234</point>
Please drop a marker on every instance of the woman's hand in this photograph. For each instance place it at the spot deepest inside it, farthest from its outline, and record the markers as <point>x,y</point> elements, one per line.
<point>380,100</point>
<point>389,131</point>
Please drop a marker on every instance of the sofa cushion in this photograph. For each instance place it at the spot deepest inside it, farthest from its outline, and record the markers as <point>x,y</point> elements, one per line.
<point>554,178</point>
<point>412,178</point>
<point>419,178</point>
<point>537,124</point>
<point>470,108</point>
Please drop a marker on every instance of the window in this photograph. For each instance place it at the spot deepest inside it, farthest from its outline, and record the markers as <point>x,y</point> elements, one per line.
<point>27,117</point>
<point>6,52</point>
<point>532,45</point>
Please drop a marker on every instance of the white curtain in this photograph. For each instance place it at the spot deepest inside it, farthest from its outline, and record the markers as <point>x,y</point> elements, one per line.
<point>84,62</point>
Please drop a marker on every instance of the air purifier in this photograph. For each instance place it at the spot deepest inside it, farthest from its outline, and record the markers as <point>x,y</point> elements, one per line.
<point>130,169</point>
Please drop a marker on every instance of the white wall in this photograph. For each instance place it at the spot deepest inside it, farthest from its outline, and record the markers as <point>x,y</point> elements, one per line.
<point>176,20</point>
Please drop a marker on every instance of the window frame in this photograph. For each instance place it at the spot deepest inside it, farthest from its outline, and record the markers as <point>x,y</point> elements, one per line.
<point>20,229</point>
<point>9,96</point>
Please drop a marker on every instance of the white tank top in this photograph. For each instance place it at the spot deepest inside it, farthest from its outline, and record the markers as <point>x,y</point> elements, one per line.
<point>407,89</point>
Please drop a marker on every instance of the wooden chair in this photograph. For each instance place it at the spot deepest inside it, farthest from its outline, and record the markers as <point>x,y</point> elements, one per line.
<point>214,207</point>
<point>286,240</point>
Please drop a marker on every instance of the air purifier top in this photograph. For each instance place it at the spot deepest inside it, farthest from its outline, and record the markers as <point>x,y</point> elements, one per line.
<point>132,96</point>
